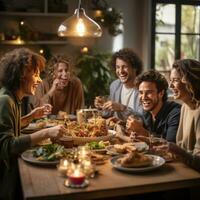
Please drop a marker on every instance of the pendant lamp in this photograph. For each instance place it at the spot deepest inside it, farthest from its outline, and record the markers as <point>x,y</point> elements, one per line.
<point>79,25</point>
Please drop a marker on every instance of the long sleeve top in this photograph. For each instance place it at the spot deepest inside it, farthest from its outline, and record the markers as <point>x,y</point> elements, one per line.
<point>166,121</point>
<point>188,136</point>
<point>11,143</point>
<point>69,100</point>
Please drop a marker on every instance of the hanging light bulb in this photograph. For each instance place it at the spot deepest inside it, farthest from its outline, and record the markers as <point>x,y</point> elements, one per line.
<point>79,25</point>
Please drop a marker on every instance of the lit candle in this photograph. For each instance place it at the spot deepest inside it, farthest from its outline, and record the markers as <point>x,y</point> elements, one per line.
<point>77,177</point>
<point>83,153</point>
<point>63,166</point>
<point>88,168</point>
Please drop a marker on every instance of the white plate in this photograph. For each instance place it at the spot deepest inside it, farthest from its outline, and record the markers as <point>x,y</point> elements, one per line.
<point>140,146</point>
<point>157,163</point>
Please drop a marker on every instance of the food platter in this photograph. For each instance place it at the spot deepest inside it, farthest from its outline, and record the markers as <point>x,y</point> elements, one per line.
<point>157,163</point>
<point>28,157</point>
<point>82,140</point>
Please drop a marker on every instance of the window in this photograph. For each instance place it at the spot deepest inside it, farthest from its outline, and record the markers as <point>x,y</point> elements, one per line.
<point>175,32</point>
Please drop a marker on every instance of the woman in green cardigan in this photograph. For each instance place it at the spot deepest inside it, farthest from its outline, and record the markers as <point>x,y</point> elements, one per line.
<point>19,76</point>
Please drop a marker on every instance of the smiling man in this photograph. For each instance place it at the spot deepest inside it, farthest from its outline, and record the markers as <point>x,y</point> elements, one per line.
<point>161,116</point>
<point>123,93</point>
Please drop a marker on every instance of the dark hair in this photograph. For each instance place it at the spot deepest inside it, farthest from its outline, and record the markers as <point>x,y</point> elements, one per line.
<point>14,63</point>
<point>129,56</point>
<point>154,77</point>
<point>52,65</point>
<point>189,70</point>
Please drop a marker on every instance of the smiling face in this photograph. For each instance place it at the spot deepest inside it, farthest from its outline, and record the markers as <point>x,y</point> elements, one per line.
<point>30,82</point>
<point>125,72</point>
<point>177,86</point>
<point>150,98</point>
<point>63,75</point>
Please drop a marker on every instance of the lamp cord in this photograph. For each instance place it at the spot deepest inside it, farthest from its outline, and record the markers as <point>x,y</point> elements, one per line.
<point>79,4</point>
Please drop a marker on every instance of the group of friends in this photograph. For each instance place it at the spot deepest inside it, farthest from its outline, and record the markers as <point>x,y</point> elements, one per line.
<point>133,93</point>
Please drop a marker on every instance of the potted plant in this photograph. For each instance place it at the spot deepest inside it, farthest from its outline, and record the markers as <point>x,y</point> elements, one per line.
<point>95,75</point>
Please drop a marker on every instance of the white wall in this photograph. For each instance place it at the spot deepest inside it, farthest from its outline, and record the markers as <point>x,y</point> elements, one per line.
<point>136,15</point>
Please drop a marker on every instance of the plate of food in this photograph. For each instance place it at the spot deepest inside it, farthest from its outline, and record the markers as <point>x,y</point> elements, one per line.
<point>44,155</point>
<point>98,146</point>
<point>137,162</point>
<point>78,140</point>
<point>127,147</point>
<point>98,159</point>
<point>33,127</point>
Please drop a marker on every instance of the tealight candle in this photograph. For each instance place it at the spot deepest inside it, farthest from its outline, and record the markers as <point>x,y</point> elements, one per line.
<point>88,168</point>
<point>83,153</point>
<point>76,177</point>
<point>63,166</point>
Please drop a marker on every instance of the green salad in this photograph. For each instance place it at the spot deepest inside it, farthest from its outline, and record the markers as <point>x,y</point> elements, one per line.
<point>49,152</point>
<point>96,145</point>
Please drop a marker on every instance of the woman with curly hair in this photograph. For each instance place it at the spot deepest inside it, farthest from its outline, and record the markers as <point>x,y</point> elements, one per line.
<point>19,76</point>
<point>61,88</point>
<point>185,85</point>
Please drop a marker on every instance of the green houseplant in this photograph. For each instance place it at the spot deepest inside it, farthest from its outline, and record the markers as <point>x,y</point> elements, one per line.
<point>95,75</point>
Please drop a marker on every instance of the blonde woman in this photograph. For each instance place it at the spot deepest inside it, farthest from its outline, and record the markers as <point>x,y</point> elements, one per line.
<point>61,88</point>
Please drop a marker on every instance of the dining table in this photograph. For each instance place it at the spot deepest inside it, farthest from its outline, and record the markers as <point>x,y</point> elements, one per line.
<point>45,182</point>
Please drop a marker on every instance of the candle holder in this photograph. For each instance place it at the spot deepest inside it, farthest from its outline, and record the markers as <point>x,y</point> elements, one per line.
<point>64,166</point>
<point>83,153</point>
<point>88,168</point>
<point>76,177</point>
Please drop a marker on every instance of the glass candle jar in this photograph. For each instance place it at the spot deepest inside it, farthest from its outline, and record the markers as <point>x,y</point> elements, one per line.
<point>88,168</point>
<point>64,166</point>
<point>83,153</point>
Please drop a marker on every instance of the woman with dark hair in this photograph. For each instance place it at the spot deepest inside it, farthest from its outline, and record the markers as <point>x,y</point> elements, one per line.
<point>61,88</point>
<point>19,76</point>
<point>185,85</point>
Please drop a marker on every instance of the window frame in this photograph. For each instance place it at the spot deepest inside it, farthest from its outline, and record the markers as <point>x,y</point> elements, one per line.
<point>177,34</point>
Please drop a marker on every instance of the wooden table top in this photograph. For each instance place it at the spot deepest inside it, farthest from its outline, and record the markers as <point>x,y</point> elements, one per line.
<point>46,183</point>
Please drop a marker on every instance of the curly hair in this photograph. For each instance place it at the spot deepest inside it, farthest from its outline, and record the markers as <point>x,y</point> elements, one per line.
<point>189,70</point>
<point>14,64</point>
<point>154,77</point>
<point>129,56</point>
<point>52,66</point>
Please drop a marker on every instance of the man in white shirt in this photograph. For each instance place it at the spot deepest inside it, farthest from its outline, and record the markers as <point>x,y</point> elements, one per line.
<point>123,98</point>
